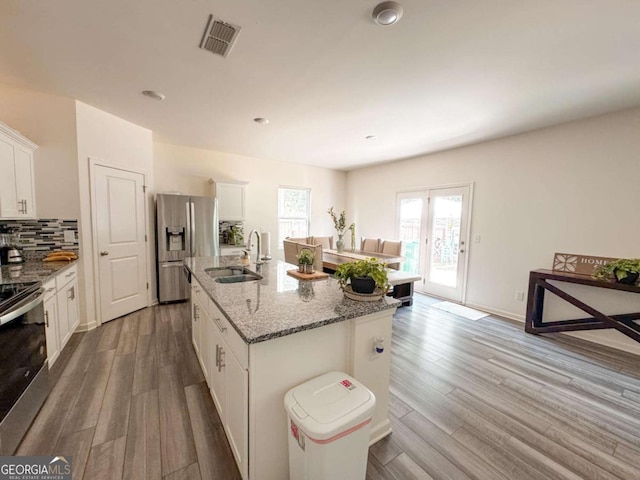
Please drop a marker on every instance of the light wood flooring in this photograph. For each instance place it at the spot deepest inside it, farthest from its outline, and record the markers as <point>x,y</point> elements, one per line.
<point>469,400</point>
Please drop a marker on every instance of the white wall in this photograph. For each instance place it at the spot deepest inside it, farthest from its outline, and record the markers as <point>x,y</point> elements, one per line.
<point>49,121</point>
<point>116,142</point>
<point>186,170</point>
<point>571,188</point>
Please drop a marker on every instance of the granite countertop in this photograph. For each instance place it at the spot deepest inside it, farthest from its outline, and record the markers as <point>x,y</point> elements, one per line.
<point>279,304</point>
<point>33,271</point>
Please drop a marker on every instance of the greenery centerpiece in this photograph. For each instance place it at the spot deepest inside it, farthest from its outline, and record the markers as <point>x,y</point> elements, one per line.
<point>306,259</point>
<point>623,270</point>
<point>340,224</point>
<point>363,275</point>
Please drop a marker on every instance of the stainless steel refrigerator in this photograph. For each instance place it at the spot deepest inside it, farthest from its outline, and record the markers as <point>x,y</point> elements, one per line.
<point>186,226</point>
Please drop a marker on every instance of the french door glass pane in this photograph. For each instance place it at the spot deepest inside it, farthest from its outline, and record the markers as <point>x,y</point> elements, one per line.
<point>445,235</point>
<point>410,218</point>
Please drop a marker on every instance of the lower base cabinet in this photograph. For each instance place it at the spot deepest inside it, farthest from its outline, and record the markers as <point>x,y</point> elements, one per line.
<point>61,311</point>
<point>227,378</point>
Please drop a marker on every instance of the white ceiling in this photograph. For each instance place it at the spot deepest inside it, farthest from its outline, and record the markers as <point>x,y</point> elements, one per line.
<point>450,73</point>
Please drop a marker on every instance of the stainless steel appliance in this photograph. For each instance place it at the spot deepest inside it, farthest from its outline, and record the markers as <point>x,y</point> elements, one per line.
<point>9,249</point>
<point>186,226</point>
<point>23,360</point>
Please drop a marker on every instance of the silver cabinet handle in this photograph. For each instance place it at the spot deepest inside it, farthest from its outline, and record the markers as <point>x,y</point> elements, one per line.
<point>104,253</point>
<point>71,293</point>
<point>70,274</point>
<point>196,315</point>
<point>46,318</point>
<point>25,206</point>
<point>219,325</point>
<point>217,355</point>
<point>221,357</point>
<point>49,290</point>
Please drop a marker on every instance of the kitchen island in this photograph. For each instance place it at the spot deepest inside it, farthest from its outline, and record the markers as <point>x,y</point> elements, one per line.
<point>255,340</point>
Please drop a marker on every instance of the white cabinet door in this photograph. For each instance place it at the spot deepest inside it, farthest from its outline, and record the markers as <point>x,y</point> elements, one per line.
<point>17,195</point>
<point>8,194</point>
<point>196,315</point>
<point>236,420</point>
<point>24,183</point>
<point>72,302</point>
<point>205,340</point>
<point>230,201</point>
<point>51,323</point>
<point>64,331</point>
<point>216,369</point>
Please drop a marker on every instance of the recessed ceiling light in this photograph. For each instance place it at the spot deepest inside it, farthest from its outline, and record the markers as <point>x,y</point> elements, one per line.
<point>261,121</point>
<point>387,13</point>
<point>153,94</point>
<point>371,137</point>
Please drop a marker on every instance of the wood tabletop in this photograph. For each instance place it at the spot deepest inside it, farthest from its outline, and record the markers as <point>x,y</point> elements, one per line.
<point>331,259</point>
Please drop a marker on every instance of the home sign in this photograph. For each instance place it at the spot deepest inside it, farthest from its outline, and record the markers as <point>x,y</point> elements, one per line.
<point>579,264</point>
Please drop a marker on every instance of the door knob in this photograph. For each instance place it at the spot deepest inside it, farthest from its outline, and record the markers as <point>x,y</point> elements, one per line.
<point>104,253</point>
<point>462,250</point>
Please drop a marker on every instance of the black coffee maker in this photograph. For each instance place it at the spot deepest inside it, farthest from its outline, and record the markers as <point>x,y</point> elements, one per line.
<point>10,252</point>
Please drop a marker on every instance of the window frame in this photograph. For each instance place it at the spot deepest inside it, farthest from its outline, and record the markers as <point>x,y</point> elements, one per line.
<point>308,212</point>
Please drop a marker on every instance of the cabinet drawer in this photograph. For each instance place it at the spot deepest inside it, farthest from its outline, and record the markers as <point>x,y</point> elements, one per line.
<point>67,276</point>
<point>49,289</point>
<point>234,341</point>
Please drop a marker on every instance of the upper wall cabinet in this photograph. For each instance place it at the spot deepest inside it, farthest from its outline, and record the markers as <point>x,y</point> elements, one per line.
<point>17,193</point>
<point>231,199</point>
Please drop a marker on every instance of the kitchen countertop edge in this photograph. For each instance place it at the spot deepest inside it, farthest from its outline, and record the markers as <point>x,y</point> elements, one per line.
<point>352,309</point>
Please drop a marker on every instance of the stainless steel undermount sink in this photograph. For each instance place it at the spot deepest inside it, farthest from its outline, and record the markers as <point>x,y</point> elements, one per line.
<point>232,274</point>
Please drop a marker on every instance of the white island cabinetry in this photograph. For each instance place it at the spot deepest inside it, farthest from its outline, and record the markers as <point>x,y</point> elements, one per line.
<point>256,354</point>
<point>223,356</point>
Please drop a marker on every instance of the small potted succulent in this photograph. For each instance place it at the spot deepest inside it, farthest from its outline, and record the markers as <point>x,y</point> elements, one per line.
<point>363,276</point>
<point>623,270</point>
<point>306,259</point>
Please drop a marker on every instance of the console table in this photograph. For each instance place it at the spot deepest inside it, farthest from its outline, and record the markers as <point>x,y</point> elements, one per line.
<point>539,283</point>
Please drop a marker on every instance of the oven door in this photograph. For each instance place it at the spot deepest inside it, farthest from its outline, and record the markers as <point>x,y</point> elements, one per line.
<point>24,349</point>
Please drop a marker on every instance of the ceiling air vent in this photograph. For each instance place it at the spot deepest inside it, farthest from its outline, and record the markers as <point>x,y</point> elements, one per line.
<point>219,36</point>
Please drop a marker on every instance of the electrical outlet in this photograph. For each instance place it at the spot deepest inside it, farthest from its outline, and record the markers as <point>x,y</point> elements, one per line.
<point>476,238</point>
<point>519,295</point>
<point>69,236</point>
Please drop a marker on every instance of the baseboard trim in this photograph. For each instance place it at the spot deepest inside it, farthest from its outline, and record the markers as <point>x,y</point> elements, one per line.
<point>495,311</point>
<point>85,327</point>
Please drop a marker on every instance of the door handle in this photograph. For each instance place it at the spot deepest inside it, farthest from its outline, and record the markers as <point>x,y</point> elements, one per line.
<point>462,250</point>
<point>46,318</point>
<point>104,253</point>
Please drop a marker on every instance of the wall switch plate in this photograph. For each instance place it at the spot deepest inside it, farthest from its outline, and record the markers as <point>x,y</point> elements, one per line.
<point>69,236</point>
<point>476,238</point>
<point>519,295</point>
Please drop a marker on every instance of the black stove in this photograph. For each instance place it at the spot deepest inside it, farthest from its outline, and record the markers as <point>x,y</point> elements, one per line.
<point>13,293</point>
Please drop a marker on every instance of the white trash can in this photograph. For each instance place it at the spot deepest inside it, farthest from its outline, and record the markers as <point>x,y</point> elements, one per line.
<point>329,421</point>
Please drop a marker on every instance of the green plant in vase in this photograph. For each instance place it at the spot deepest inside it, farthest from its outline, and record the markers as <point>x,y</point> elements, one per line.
<point>363,275</point>
<point>623,270</point>
<point>306,258</point>
<point>340,224</point>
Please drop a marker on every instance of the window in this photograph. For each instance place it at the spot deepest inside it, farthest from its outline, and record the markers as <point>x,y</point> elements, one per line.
<point>293,213</point>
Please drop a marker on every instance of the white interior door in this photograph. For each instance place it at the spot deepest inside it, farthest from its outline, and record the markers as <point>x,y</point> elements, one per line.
<point>434,229</point>
<point>121,247</point>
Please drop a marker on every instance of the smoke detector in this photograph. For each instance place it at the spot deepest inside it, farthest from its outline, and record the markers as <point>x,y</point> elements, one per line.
<point>387,13</point>
<point>219,36</point>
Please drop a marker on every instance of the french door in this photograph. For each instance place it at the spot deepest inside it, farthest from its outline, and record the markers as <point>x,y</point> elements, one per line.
<point>433,227</point>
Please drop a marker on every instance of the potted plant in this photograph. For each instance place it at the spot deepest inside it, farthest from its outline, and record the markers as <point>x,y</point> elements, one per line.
<point>623,270</point>
<point>363,275</point>
<point>340,224</point>
<point>306,258</point>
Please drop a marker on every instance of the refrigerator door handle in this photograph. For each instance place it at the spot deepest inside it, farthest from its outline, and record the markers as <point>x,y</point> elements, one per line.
<point>193,228</point>
<point>188,232</point>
